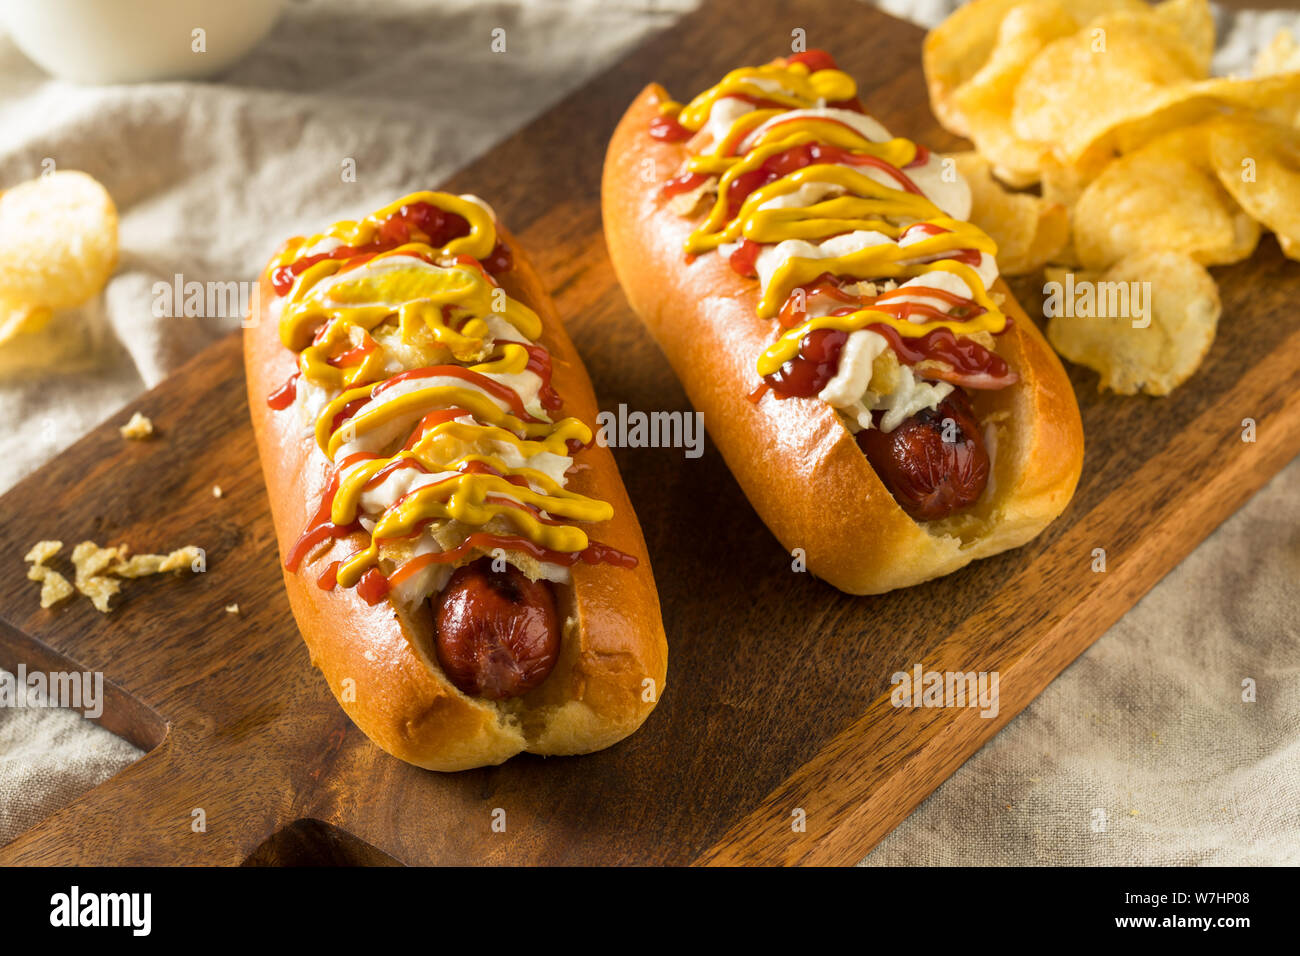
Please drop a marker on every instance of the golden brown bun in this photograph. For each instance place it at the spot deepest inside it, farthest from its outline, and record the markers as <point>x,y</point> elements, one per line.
<point>795,459</point>
<point>381,664</point>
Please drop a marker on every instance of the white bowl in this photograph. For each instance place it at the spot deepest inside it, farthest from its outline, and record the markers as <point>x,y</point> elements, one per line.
<point>134,41</point>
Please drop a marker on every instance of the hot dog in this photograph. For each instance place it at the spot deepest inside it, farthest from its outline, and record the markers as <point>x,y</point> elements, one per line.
<point>461,558</point>
<point>931,474</point>
<point>497,632</point>
<point>883,401</point>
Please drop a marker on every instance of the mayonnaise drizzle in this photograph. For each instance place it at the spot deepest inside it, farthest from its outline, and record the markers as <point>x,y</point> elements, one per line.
<point>853,220</point>
<point>366,323</point>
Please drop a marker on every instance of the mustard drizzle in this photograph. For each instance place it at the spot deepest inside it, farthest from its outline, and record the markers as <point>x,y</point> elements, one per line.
<point>864,204</point>
<point>442,308</point>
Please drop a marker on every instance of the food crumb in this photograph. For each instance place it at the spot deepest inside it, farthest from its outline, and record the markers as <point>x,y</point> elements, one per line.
<point>216,491</point>
<point>232,608</point>
<point>42,551</point>
<point>99,571</point>
<point>54,586</point>
<point>137,428</point>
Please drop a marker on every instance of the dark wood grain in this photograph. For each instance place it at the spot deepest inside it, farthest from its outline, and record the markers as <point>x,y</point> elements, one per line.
<point>778,689</point>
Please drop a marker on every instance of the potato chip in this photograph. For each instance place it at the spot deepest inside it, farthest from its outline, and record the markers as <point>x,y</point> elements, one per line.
<point>1166,111</point>
<point>1195,22</point>
<point>1027,229</point>
<point>1078,88</point>
<point>985,100</point>
<point>1065,257</point>
<point>1163,196</point>
<point>1064,183</point>
<point>16,319</point>
<point>955,50</point>
<point>58,240</point>
<point>1191,103</point>
<point>1083,12</point>
<point>1259,164</point>
<point>1173,314</point>
<point>1282,55</point>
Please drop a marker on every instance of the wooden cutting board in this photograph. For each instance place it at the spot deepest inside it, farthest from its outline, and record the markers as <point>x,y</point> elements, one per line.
<point>778,689</point>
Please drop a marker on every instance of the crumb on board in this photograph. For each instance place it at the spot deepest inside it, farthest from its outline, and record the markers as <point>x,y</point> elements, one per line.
<point>137,428</point>
<point>232,608</point>
<point>42,551</point>
<point>98,572</point>
<point>54,586</point>
<point>216,491</point>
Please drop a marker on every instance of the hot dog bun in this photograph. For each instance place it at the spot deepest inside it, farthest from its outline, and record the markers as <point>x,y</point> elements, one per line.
<point>795,459</point>
<point>380,661</point>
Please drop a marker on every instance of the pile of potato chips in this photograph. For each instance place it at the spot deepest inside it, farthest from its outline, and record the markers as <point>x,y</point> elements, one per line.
<point>1149,169</point>
<point>58,246</point>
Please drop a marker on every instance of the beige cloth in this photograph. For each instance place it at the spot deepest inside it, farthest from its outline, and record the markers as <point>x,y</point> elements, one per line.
<point>1147,733</point>
<point>48,758</point>
<point>207,175</point>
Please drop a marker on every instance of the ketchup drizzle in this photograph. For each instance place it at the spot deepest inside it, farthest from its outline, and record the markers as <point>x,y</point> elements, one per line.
<point>419,221</point>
